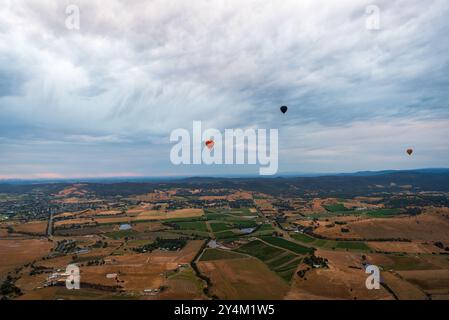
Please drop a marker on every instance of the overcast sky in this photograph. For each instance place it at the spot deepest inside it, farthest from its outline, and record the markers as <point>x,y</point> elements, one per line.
<point>102,100</point>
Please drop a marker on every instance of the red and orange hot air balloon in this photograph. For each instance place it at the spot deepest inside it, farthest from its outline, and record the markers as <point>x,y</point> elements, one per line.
<point>210,144</point>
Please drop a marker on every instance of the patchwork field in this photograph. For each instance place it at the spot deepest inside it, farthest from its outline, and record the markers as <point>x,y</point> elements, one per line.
<point>142,216</point>
<point>283,262</point>
<point>217,254</point>
<point>432,226</point>
<point>243,279</point>
<point>15,253</point>
<point>133,273</point>
<point>331,244</point>
<point>344,279</point>
<point>35,227</point>
<point>278,241</point>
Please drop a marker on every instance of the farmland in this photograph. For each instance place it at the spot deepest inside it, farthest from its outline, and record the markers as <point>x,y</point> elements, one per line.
<point>184,242</point>
<point>283,262</point>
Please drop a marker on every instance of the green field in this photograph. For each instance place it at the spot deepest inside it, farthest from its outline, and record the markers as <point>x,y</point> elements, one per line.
<point>382,213</point>
<point>242,212</point>
<point>293,264</point>
<point>335,207</point>
<point>287,275</point>
<point>263,230</point>
<point>337,210</point>
<point>278,260</point>
<point>227,235</point>
<point>121,234</point>
<point>221,226</point>
<point>217,216</point>
<point>331,244</point>
<point>352,245</point>
<point>217,254</point>
<point>279,242</point>
<point>245,224</point>
<point>275,263</point>
<point>260,250</point>
<point>303,237</point>
<point>176,220</point>
<point>194,233</point>
<point>193,225</point>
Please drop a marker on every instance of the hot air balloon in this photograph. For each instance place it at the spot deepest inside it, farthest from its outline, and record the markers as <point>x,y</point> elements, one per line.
<point>410,152</point>
<point>210,144</point>
<point>284,109</point>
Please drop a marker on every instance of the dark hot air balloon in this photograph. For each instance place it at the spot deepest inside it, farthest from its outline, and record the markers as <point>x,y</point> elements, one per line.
<point>284,109</point>
<point>409,152</point>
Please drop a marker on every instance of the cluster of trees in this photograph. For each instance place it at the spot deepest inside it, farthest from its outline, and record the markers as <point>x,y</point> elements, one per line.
<point>315,261</point>
<point>440,245</point>
<point>95,262</point>
<point>39,270</point>
<point>66,246</point>
<point>100,244</point>
<point>164,244</point>
<point>8,289</point>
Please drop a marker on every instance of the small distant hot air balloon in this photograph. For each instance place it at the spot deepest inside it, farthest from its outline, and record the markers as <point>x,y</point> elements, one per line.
<point>284,109</point>
<point>210,144</point>
<point>409,152</point>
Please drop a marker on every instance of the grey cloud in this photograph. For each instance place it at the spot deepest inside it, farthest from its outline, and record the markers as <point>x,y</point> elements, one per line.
<point>137,70</point>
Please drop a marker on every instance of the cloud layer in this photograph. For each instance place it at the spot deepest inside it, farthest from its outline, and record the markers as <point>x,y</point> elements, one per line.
<point>103,100</point>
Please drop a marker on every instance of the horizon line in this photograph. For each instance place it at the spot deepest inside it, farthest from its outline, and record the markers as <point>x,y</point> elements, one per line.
<point>235,176</point>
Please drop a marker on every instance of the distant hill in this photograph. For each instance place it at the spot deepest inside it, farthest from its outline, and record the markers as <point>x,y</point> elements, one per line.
<point>376,173</point>
<point>360,183</point>
<point>337,185</point>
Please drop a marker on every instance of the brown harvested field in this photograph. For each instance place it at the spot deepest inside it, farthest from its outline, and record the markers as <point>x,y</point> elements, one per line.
<point>321,225</point>
<point>402,289</point>
<point>35,227</point>
<point>184,285</point>
<point>53,293</point>
<point>431,226</point>
<point>316,205</point>
<point>136,275</point>
<point>163,215</point>
<point>88,214</point>
<point>73,200</point>
<point>341,281</point>
<point>3,232</point>
<point>143,216</point>
<point>29,282</point>
<point>149,226</point>
<point>62,261</point>
<point>240,195</point>
<point>86,231</point>
<point>74,221</point>
<point>65,215</point>
<point>106,213</point>
<point>76,189</point>
<point>264,204</point>
<point>405,247</point>
<point>15,253</point>
<point>141,271</point>
<point>136,272</point>
<point>243,279</point>
<point>430,281</point>
<point>185,255</point>
<point>211,198</point>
